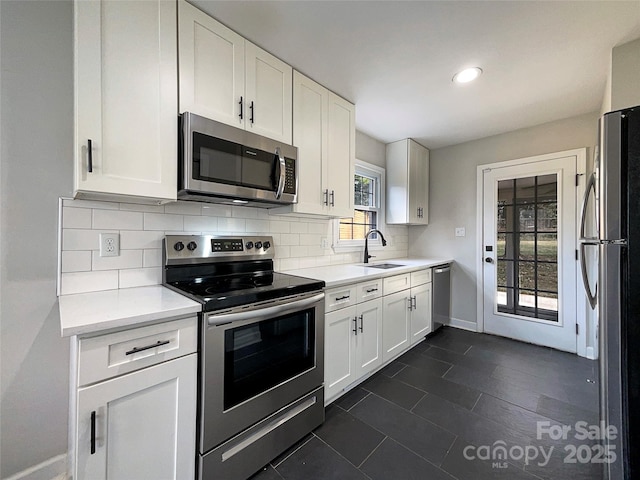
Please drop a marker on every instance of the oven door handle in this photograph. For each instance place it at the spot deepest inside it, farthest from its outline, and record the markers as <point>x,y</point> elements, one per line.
<point>265,313</point>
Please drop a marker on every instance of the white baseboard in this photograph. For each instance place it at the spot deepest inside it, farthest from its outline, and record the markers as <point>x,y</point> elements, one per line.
<point>463,324</point>
<point>54,468</point>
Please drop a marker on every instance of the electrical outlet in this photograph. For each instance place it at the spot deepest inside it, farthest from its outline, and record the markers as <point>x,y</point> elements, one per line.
<point>460,232</point>
<point>109,244</point>
<point>324,243</point>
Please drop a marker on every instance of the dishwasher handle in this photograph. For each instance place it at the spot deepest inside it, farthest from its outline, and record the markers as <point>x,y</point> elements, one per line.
<point>442,269</point>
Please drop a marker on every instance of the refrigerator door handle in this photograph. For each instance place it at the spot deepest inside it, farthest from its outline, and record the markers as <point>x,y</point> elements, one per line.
<point>591,188</point>
<point>592,296</point>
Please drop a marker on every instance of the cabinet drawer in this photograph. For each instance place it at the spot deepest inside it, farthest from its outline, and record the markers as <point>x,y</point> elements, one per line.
<point>396,283</point>
<point>369,290</point>
<point>340,297</point>
<point>117,353</point>
<point>420,277</point>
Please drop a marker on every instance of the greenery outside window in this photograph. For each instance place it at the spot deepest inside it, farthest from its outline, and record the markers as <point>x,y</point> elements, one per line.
<point>368,186</point>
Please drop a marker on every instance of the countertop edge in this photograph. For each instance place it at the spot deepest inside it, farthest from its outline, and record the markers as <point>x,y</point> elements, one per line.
<point>157,304</point>
<point>358,272</point>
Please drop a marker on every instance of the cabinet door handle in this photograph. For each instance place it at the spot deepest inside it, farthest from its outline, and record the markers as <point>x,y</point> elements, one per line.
<point>415,302</point>
<point>410,303</point>
<point>355,326</point>
<point>372,290</point>
<point>325,196</point>
<point>333,198</point>
<point>159,343</point>
<point>251,119</point>
<point>241,102</point>
<point>89,156</point>
<point>93,432</point>
<point>342,298</point>
<point>362,323</point>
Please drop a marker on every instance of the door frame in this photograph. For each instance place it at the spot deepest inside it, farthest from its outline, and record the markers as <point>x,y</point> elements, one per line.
<point>583,349</point>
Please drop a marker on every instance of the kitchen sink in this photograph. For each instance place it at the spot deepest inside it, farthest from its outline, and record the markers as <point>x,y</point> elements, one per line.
<point>384,266</point>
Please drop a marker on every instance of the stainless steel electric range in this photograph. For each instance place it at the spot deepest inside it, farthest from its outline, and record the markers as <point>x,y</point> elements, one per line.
<point>261,340</point>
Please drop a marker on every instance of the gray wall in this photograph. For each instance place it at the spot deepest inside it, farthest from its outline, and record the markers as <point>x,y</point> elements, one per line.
<point>36,141</point>
<point>452,195</point>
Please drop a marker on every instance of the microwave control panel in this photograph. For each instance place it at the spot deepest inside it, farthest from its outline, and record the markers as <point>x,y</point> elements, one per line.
<point>290,176</point>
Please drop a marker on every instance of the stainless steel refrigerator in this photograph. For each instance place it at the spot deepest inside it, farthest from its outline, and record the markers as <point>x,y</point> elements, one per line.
<point>613,194</point>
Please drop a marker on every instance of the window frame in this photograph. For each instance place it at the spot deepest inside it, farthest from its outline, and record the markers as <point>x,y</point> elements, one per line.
<point>368,169</point>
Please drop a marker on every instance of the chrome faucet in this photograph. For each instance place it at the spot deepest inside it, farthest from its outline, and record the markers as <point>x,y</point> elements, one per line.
<point>366,243</point>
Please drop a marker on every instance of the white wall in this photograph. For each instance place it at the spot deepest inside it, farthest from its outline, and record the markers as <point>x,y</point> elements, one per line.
<point>36,141</point>
<point>368,149</point>
<point>625,79</point>
<point>452,196</point>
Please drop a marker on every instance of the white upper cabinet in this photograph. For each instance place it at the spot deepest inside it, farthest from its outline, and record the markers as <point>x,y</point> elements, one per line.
<point>268,88</point>
<point>407,183</point>
<point>227,78</point>
<point>126,100</point>
<point>324,132</point>
<point>211,67</point>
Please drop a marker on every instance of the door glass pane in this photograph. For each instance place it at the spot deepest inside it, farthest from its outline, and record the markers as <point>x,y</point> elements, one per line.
<point>527,247</point>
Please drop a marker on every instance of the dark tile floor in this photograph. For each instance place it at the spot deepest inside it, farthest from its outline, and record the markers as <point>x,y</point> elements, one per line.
<point>453,399</point>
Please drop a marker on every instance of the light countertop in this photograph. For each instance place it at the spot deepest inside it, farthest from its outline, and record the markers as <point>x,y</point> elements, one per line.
<point>86,313</point>
<point>336,275</point>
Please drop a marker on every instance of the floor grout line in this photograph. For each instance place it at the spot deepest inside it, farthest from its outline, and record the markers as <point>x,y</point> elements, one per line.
<point>372,451</point>
<point>299,447</point>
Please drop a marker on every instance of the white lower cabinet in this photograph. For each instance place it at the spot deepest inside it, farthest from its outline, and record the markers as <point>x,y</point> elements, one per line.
<point>134,415</point>
<point>396,336</point>
<point>143,424</point>
<point>420,312</point>
<point>353,344</point>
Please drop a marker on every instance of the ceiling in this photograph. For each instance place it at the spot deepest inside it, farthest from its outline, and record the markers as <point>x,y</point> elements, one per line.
<point>542,61</point>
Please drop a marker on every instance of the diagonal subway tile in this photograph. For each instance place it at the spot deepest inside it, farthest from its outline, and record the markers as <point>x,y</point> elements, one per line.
<point>350,437</point>
<point>464,465</point>
<point>417,434</point>
<point>506,391</point>
<point>475,429</point>
<point>453,358</point>
<point>393,390</point>
<point>428,365</point>
<point>393,461</point>
<point>463,395</point>
<point>315,460</point>
<point>349,399</point>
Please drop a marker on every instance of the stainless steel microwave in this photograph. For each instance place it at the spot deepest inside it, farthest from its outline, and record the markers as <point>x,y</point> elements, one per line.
<point>224,164</point>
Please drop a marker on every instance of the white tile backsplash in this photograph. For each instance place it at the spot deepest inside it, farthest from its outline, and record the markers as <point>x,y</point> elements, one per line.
<point>76,261</point>
<point>126,259</point>
<point>117,219</point>
<point>77,218</point>
<point>297,240</point>
<point>163,221</point>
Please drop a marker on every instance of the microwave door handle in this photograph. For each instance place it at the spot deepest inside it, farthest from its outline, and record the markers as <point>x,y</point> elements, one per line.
<point>283,173</point>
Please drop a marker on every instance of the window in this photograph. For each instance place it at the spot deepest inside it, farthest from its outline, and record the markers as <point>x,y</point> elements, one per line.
<point>368,184</point>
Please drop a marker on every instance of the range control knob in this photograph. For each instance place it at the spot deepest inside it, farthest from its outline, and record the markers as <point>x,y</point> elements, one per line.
<point>192,246</point>
<point>178,247</point>
<point>249,245</point>
<point>258,245</point>
<point>266,245</point>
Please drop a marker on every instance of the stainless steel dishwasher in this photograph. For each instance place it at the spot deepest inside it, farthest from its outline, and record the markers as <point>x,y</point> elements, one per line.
<point>441,295</point>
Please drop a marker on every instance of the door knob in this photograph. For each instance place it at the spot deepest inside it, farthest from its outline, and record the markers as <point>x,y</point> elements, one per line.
<point>488,260</point>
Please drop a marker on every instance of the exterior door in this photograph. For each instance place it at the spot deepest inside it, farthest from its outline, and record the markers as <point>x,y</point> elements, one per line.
<point>529,248</point>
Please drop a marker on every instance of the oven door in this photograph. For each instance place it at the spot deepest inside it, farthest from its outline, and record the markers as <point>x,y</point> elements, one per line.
<point>256,360</point>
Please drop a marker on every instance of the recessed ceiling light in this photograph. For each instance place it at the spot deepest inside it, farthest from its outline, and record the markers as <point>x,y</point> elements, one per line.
<point>467,75</point>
